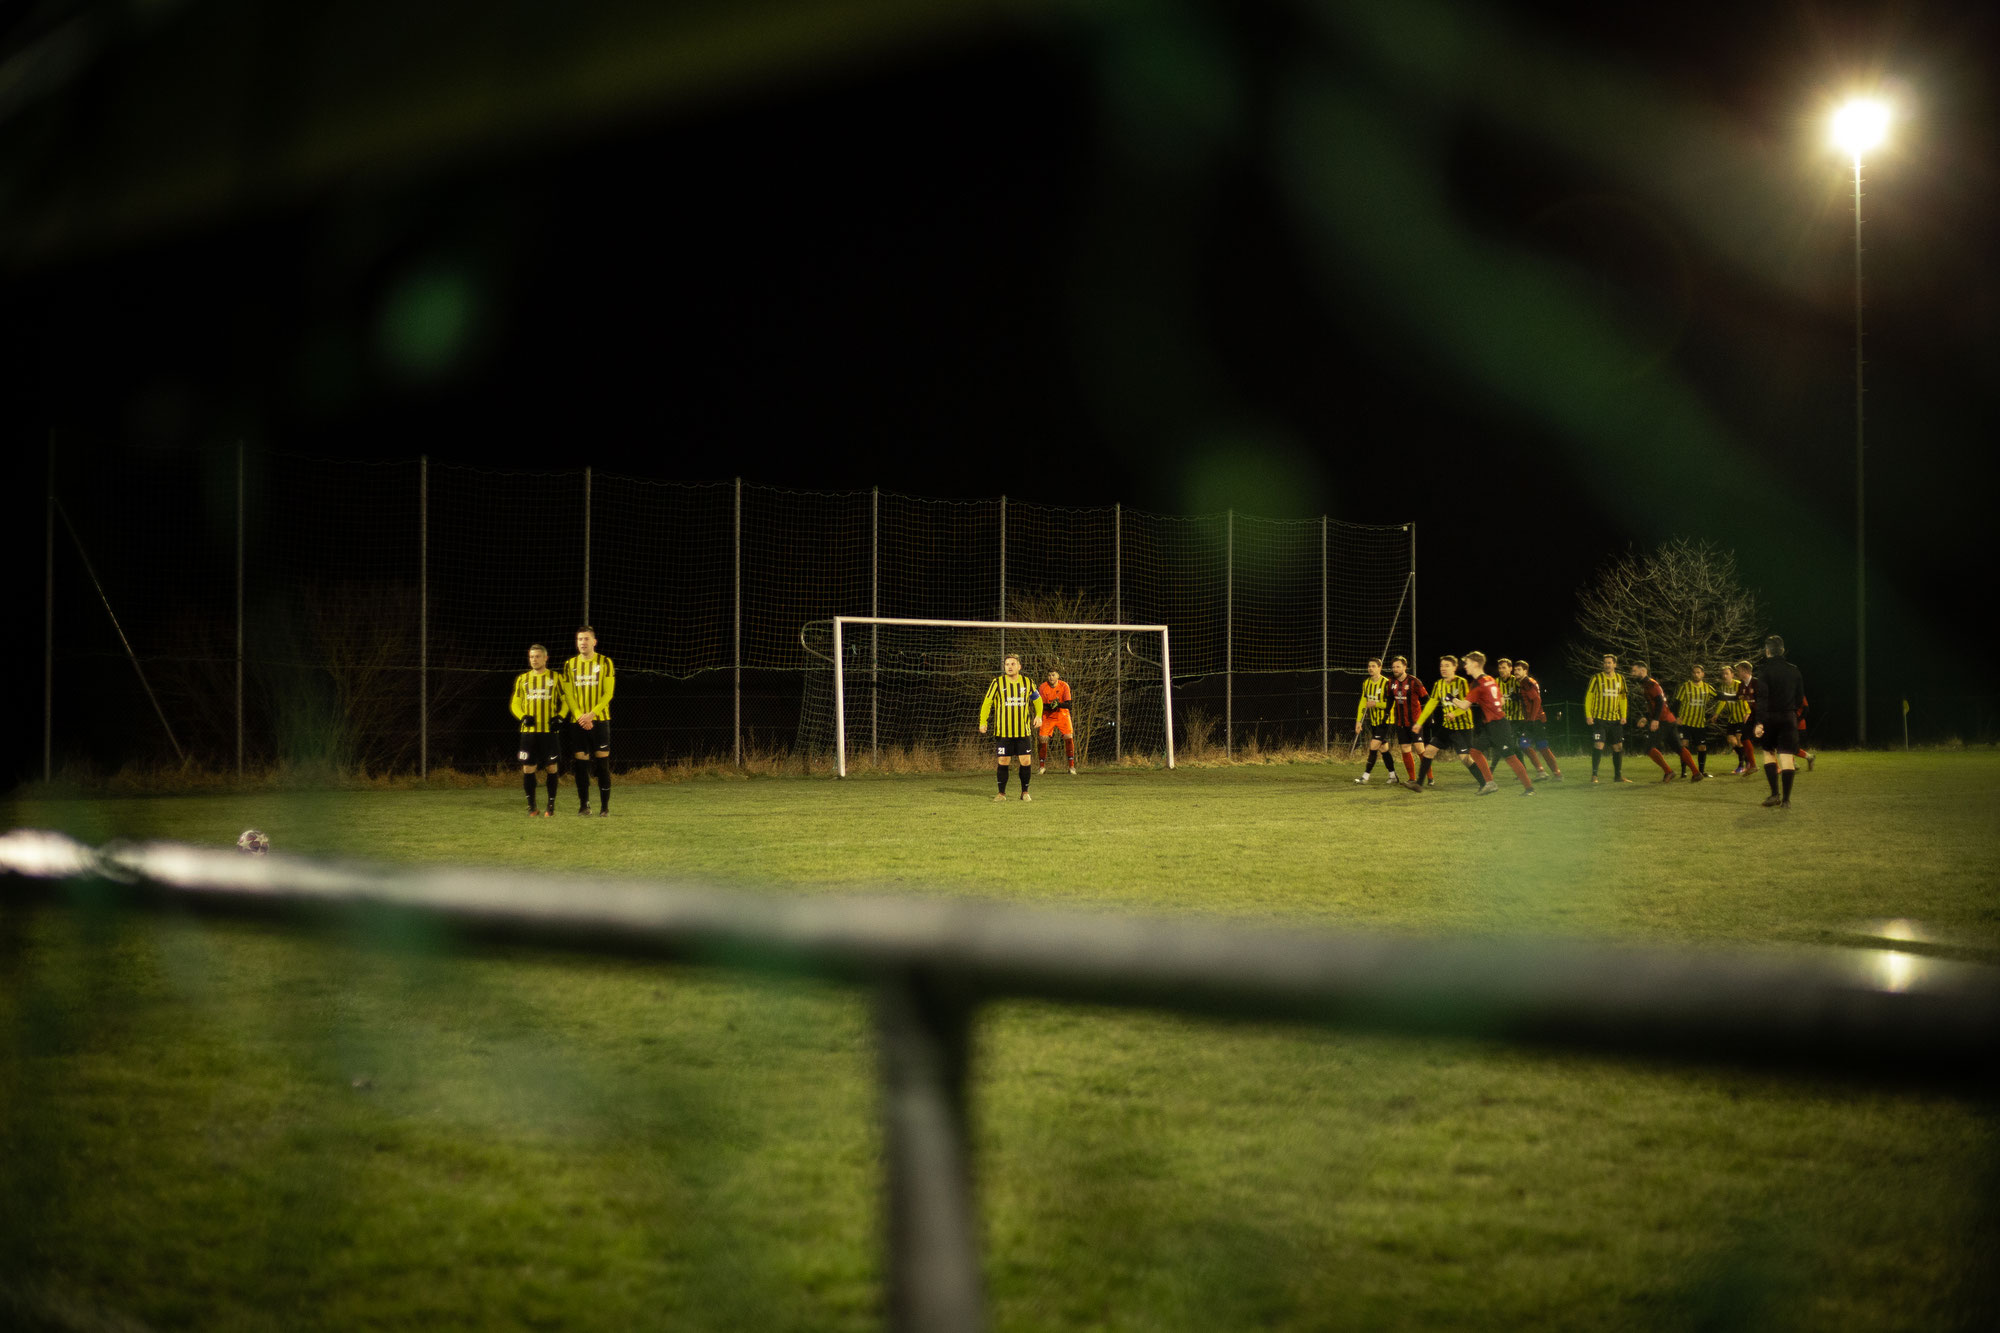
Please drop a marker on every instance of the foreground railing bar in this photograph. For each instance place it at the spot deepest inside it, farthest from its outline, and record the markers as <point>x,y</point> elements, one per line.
<point>924,1033</point>
<point>1885,1016</point>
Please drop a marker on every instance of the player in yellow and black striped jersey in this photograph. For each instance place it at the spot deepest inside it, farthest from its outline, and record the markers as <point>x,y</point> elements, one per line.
<point>1604,712</point>
<point>1447,721</point>
<point>1692,702</point>
<point>538,706</point>
<point>1374,706</point>
<point>1014,707</point>
<point>1510,709</point>
<point>588,683</point>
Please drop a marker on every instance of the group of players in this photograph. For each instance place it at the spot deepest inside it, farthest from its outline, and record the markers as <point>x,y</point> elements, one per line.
<point>1481,719</point>
<point>566,712</point>
<point>1484,719</point>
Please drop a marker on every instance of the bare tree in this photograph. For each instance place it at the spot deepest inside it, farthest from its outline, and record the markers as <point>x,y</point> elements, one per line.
<point>1675,606</point>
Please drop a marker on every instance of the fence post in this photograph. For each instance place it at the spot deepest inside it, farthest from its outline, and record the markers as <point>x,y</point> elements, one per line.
<point>737,651</point>
<point>1325,661</point>
<point>49,621</point>
<point>239,610</point>
<point>586,546</point>
<point>423,616</point>
<point>933,1230</point>
<point>1413,596</point>
<point>1118,638</point>
<point>1003,573</point>
<point>874,631</point>
<point>1229,642</point>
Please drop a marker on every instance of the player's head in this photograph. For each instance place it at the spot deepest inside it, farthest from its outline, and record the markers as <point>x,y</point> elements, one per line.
<point>1448,666</point>
<point>1011,665</point>
<point>1774,646</point>
<point>1475,662</point>
<point>1504,667</point>
<point>1399,667</point>
<point>1743,670</point>
<point>1055,676</point>
<point>1611,664</point>
<point>1521,669</point>
<point>1699,674</point>
<point>1639,670</point>
<point>1374,666</point>
<point>538,657</point>
<point>586,640</point>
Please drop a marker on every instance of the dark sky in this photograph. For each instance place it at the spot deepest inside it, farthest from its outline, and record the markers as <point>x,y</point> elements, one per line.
<point>1548,281</point>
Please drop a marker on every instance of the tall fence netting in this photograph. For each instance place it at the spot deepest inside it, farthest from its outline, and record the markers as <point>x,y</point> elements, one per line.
<point>386,607</point>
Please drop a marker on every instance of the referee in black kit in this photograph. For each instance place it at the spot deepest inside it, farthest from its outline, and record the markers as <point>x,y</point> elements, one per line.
<point>1780,687</point>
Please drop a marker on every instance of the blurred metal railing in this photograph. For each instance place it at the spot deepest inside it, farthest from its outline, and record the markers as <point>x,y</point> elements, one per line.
<point>1881,1017</point>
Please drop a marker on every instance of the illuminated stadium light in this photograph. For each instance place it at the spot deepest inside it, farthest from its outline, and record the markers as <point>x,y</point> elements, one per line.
<point>1860,125</point>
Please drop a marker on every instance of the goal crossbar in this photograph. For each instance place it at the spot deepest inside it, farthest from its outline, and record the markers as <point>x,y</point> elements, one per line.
<point>840,624</point>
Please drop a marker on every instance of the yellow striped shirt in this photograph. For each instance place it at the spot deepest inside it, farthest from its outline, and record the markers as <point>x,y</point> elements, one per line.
<point>587,685</point>
<point>1691,702</point>
<point>538,700</point>
<point>1731,708</point>
<point>1374,701</point>
<point>1456,719</point>
<point>1604,700</point>
<point>1018,703</point>
<point>1510,707</point>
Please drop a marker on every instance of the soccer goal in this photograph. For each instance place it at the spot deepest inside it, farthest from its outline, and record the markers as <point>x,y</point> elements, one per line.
<point>903,694</point>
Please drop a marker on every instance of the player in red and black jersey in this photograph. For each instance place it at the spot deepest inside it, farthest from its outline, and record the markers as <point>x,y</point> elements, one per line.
<point>1495,730</point>
<point>1406,695</point>
<point>1534,727</point>
<point>1663,729</point>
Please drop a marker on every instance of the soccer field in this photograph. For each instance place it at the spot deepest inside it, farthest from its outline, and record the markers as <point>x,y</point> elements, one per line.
<point>222,1126</point>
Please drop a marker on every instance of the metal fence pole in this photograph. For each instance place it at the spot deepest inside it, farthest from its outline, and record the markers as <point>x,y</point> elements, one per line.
<point>586,546</point>
<point>737,651</point>
<point>874,631</point>
<point>1414,659</point>
<point>1003,574</point>
<point>424,616</point>
<point>1325,661</point>
<point>1118,639</point>
<point>933,1229</point>
<point>239,609</point>
<point>49,622</point>
<point>1229,642</point>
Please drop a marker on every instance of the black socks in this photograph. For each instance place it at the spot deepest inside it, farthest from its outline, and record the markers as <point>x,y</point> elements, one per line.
<point>1003,779</point>
<point>528,785</point>
<point>1785,777</point>
<point>555,785</point>
<point>1026,769</point>
<point>1771,776</point>
<point>1617,764</point>
<point>601,765</point>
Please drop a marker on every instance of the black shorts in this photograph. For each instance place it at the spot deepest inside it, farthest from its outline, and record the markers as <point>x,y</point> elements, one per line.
<point>1780,737</point>
<point>1455,738</point>
<point>594,741</point>
<point>1384,732</point>
<point>1406,735</point>
<point>1608,732</point>
<point>538,748</point>
<point>1497,737</point>
<point>1534,733</point>
<point>1667,739</point>
<point>1012,747</point>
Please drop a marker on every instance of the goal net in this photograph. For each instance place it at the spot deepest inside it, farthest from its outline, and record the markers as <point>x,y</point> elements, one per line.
<point>903,695</point>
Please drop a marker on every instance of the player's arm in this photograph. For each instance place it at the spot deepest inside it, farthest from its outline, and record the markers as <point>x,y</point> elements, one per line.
<point>1590,701</point>
<point>986,705</point>
<point>518,705</point>
<point>610,684</point>
<point>1038,708</point>
<point>571,706</point>
<point>1429,708</point>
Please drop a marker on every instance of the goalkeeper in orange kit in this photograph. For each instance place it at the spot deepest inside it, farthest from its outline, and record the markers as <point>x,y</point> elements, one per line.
<point>1056,701</point>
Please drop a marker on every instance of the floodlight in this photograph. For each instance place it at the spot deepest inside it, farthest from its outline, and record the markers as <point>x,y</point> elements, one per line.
<point>1860,125</point>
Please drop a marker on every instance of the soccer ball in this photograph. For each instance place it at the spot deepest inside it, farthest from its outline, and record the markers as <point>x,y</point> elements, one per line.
<point>253,842</point>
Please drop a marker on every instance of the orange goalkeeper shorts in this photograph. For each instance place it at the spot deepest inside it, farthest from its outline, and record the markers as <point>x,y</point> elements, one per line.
<point>1056,721</point>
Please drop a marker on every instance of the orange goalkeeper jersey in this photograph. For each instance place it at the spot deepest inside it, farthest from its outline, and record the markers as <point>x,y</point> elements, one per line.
<point>1053,695</point>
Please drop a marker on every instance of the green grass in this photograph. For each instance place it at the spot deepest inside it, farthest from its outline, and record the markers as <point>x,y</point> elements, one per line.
<point>539,1142</point>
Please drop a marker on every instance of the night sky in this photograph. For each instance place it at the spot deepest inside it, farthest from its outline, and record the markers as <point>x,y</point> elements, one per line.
<point>1549,281</point>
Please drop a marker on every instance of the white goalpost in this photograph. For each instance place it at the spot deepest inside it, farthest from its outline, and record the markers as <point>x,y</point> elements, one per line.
<point>936,672</point>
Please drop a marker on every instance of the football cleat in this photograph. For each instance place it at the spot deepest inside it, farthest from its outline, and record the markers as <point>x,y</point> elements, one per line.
<point>1809,764</point>
<point>1489,789</point>
<point>585,811</point>
<point>1618,781</point>
<point>604,814</point>
<point>1072,770</point>
<point>999,795</point>
<point>1773,801</point>
<point>1027,796</point>
<point>1365,777</point>
<point>1697,777</point>
<point>1668,777</point>
<point>1527,791</point>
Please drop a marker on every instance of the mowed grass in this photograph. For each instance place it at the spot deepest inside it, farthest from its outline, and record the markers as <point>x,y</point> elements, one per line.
<point>218,1126</point>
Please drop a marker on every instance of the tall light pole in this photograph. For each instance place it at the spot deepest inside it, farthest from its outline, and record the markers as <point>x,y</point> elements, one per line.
<point>1858,126</point>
